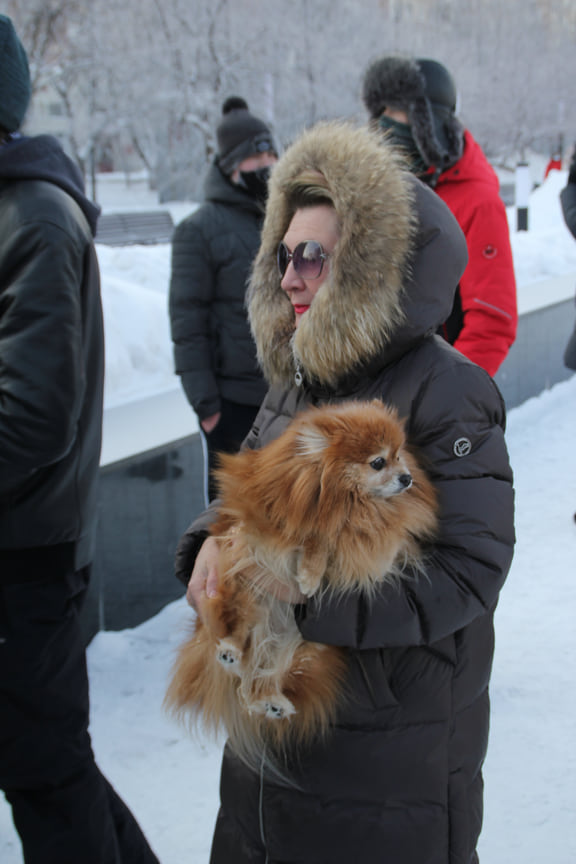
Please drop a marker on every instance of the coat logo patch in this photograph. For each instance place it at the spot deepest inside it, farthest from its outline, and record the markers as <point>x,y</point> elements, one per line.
<point>489,251</point>
<point>462,447</point>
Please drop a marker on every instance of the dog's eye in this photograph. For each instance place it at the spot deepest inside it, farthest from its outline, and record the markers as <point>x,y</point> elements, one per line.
<point>378,464</point>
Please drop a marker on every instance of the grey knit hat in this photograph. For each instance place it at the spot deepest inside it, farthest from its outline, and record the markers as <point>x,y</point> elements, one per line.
<point>15,87</point>
<point>241,135</point>
<point>426,91</point>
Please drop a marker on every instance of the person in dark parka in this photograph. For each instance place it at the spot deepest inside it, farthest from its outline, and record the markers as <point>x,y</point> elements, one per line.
<point>568,202</point>
<point>568,197</point>
<point>51,380</point>
<point>212,252</point>
<point>399,776</point>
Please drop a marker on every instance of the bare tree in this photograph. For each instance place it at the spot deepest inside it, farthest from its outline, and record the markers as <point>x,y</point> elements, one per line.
<point>151,75</point>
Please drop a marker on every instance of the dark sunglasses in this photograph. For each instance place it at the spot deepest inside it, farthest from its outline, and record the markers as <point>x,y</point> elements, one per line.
<point>307,259</point>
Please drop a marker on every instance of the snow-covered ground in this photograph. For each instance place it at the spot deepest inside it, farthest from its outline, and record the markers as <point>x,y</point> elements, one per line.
<point>171,781</point>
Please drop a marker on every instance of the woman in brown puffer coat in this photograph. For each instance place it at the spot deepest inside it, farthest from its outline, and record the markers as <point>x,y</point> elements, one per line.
<point>398,780</point>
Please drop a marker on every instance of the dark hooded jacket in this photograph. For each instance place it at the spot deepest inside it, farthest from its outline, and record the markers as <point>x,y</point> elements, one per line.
<point>51,358</point>
<point>398,779</point>
<point>212,252</point>
<point>568,199</point>
<point>568,203</point>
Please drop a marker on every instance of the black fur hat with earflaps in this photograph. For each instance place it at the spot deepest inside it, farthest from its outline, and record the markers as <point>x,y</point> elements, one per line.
<point>426,91</point>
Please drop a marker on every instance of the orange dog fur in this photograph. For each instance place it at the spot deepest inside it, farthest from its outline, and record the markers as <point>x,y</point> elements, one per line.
<point>337,503</point>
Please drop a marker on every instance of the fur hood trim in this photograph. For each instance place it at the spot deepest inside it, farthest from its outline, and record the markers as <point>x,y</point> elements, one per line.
<point>359,305</point>
<point>399,82</point>
<point>393,273</point>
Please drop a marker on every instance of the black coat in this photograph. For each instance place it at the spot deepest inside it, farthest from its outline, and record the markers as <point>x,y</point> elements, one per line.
<point>398,779</point>
<point>568,201</point>
<point>51,354</point>
<point>212,252</point>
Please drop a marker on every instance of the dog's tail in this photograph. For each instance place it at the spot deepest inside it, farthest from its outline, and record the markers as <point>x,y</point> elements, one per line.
<point>200,689</point>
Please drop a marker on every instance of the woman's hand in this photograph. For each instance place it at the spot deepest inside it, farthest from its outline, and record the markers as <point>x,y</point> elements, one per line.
<point>210,423</point>
<point>204,578</point>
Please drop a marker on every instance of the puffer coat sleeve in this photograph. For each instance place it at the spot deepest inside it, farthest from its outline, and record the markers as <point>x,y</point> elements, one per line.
<point>51,370</point>
<point>41,368</point>
<point>467,460</point>
<point>212,252</point>
<point>192,295</point>
<point>488,288</point>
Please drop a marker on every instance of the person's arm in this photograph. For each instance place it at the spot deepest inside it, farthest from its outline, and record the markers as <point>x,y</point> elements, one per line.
<point>190,302</point>
<point>41,379</point>
<point>488,288</point>
<point>473,552</point>
<point>206,573</point>
<point>198,531</point>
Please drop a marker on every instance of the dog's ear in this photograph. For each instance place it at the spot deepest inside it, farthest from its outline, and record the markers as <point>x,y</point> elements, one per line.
<point>385,407</point>
<point>391,411</point>
<point>310,440</point>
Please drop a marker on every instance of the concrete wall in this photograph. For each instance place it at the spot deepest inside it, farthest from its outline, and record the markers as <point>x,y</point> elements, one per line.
<point>149,498</point>
<point>146,503</point>
<point>534,362</point>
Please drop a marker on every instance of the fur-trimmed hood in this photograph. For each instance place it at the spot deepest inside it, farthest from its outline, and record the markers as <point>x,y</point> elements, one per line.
<point>393,273</point>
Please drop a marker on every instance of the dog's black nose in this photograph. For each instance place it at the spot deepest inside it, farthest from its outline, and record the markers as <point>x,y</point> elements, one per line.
<point>405,480</point>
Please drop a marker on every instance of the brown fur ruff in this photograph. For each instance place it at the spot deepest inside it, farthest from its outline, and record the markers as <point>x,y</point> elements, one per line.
<point>337,503</point>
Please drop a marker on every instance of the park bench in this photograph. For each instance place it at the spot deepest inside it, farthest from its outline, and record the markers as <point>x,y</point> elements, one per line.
<point>128,229</point>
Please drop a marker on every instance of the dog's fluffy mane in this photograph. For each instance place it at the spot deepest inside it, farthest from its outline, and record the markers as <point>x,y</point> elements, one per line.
<point>302,487</point>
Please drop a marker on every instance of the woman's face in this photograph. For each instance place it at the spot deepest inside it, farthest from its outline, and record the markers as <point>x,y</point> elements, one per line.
<point>318,223</point>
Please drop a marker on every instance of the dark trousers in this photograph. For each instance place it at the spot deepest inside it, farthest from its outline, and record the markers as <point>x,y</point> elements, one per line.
<point>64,809</point>
<point>234,424</point>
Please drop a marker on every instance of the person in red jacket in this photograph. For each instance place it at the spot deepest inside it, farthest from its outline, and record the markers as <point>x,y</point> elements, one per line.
<point>414,103</point>
<point>555,164</point>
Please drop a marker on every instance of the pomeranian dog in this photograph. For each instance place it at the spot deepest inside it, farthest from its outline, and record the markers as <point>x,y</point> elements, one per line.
<point>336,504</point>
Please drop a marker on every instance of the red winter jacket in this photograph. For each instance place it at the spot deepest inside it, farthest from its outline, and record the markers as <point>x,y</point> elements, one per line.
<point>486,327</point>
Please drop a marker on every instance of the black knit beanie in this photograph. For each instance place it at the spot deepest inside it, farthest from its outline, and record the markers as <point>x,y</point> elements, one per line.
<point>15,87</point>
<point>426,91</point>
<point>241,135</point>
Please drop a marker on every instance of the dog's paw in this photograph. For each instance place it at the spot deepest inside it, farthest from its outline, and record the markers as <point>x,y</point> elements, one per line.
<point>311,566</point>
<point>229,656</point>
<point>308,582</point>
<point>277,707</point>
